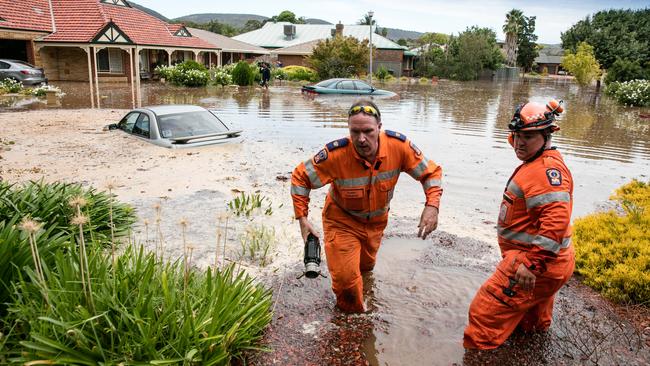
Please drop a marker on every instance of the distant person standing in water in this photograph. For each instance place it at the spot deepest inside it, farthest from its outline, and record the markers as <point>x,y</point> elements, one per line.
<point>534,233</point>
<point>266,74</point>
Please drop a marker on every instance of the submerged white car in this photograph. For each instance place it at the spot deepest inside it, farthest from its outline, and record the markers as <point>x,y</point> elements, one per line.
<point>176,126</point>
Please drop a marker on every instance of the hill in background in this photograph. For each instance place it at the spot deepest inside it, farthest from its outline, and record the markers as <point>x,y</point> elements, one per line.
<point>235,20</point>
<point>239,20</point>
<point>149,11</point>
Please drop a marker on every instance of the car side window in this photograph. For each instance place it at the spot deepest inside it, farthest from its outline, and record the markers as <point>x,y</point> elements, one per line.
<point>141,127</point>
<point>345,84</point>
<point>127,123</point>
<point>362,86</point>
<point>4,65</point>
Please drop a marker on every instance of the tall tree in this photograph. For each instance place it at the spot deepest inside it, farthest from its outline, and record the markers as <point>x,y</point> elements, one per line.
<point>471,52</point>
<point>512,27</point>
<point>366,20</point>
<point>582,64</point>
<point>527,49</point>
<point>614,34</point>
<point>339,57</point>
<point>287,16</point>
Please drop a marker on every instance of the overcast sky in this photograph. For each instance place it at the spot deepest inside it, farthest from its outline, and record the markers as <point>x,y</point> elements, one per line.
<point>553,16</point>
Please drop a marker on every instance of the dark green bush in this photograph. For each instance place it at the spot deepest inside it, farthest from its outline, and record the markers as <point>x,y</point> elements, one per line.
<point>188,73</point>
<point>243,74</point>
<point>623,70</point>
<point>191,65</point>
<point>382,73</point>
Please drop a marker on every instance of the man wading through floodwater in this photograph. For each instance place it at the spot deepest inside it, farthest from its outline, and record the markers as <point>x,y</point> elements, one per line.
<point>362,171</point>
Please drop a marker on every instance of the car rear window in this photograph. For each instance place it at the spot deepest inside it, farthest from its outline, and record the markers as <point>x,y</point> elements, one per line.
<point>189,124</point>
<point>326,83</point>
<point>24,64</point>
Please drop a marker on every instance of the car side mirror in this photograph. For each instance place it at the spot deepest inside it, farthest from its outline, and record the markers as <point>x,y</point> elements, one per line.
<point>111,127</point>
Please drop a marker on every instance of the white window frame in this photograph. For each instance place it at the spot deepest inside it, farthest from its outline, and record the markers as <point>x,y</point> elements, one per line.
<point>115,61</point>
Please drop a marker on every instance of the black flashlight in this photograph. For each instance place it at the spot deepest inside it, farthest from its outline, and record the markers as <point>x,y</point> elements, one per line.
<point>312,257</point>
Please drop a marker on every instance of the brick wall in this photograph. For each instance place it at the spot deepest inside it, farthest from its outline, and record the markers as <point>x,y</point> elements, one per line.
<point>389,55</point>
<point>292,60</point>
<point>64,63</point>
<point>71,64</point>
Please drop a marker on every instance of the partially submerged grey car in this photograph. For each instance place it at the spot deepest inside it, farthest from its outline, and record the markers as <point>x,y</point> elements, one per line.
<point>176,126</point>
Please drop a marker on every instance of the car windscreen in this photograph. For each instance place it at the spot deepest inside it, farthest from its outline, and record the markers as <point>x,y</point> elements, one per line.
<point>189,124</point>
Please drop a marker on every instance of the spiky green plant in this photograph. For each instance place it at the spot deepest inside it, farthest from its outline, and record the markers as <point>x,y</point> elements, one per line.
<point>246,204</point>
<point>256,242</point>
<point>16,253</point>
<point>142,315</point>
<point>48,203</point>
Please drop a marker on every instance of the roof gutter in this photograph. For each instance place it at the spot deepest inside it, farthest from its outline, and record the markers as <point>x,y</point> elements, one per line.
<point>52,16</point>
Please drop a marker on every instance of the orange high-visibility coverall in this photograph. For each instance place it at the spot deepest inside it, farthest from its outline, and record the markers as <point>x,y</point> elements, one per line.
<point>357,204</point>
<point>534,229</point>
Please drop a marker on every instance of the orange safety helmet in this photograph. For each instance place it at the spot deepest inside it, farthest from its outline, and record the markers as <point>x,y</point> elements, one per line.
<point>535,116</point>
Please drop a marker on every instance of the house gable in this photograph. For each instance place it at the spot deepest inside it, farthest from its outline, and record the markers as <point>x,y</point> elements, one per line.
<point>111,33</point>
<point>182,32</point>
<point>116,2</point>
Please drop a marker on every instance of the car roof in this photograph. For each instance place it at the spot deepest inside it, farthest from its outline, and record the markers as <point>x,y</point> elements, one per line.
<point>174,108</point>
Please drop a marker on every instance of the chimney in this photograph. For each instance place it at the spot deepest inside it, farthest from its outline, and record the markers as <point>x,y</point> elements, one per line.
<point>339,29</point>
<point>289,31</point>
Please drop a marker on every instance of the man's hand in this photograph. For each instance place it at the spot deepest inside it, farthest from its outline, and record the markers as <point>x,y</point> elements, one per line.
<point>306,227</point>
<point>428,221</point>
<point>525,278</point>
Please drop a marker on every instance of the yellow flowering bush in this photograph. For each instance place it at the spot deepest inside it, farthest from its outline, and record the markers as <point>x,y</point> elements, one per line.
<point>613,247</point>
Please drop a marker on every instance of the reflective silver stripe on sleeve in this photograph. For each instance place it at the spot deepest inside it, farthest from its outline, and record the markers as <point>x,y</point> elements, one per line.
<point>515,235</point>
<point>542,199</point>
<point>514,188</point>
<point>546,243</point>
<point>416,173</point>
<point>431,183</point>
<point>311,173</point>
<point>301,191</point>
<point>539,240</point>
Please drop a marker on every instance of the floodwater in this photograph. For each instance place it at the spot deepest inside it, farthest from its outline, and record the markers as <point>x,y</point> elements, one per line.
<point>460,125</point>
<point>419,291</point>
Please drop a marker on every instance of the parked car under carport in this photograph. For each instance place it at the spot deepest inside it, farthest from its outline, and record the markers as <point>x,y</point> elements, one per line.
<point>21,71</point>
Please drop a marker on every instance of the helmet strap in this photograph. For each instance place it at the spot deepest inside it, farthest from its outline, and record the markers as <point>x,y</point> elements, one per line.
<point>546,133</point>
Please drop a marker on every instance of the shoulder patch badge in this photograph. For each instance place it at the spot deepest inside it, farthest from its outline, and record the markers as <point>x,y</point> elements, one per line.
<point>417,151</point>
<point>396,135</point>
<point>337,143</point>
<point>320,156</point>
<point>554,177</point>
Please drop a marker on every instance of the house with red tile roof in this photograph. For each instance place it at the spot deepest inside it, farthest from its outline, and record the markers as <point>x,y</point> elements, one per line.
<point>100,40</point>
<point>106,40</point>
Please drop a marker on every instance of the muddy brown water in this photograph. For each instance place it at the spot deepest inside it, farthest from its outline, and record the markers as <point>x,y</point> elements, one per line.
<point>420,291</point>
